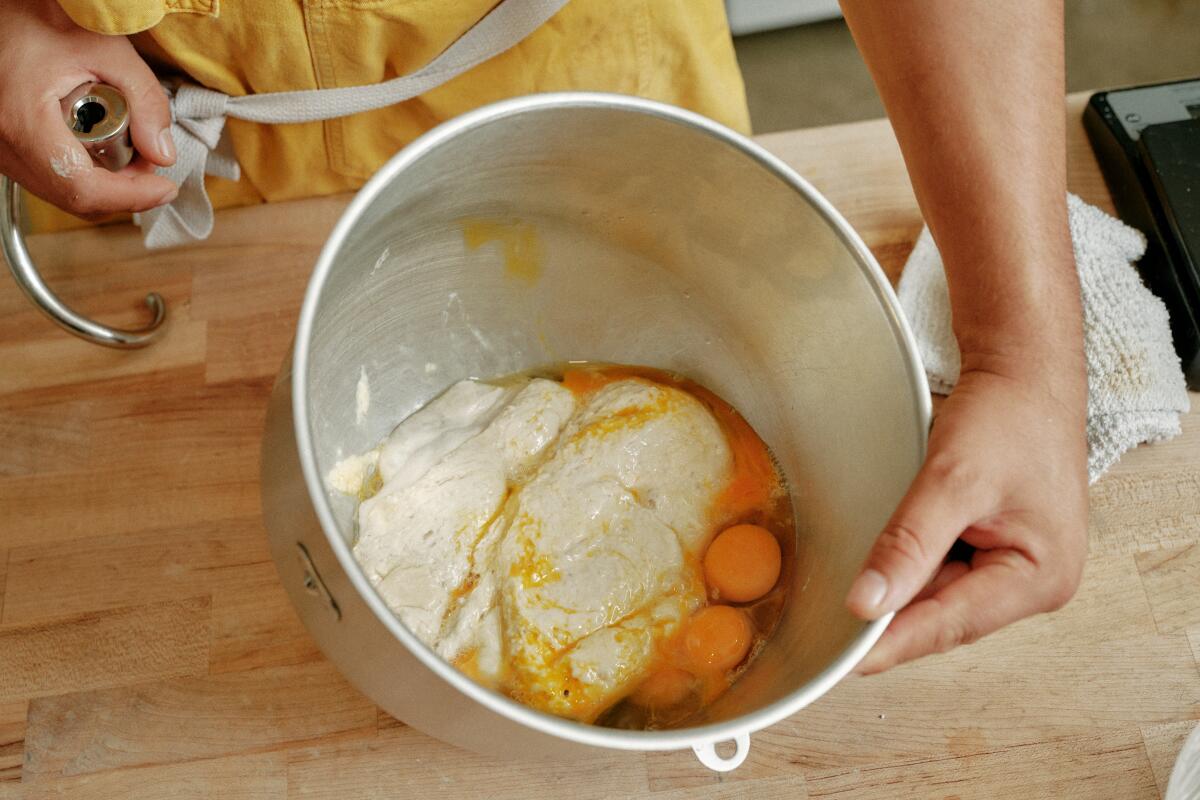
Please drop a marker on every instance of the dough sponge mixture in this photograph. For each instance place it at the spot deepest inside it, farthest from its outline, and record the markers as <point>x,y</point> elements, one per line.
<point>546,536</point>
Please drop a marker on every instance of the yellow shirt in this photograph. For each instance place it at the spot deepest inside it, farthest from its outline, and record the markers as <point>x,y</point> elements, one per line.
<point>676,51</point>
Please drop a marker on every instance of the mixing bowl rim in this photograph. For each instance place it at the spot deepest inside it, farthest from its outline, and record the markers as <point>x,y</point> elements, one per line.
<point>498,703</point>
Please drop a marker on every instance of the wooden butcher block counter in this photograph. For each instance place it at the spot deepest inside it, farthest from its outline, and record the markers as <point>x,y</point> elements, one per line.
<point>147,649</point>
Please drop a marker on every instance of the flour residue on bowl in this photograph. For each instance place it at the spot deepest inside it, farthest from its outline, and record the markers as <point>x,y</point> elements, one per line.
<point>548,537</point>
<point>362,397</point>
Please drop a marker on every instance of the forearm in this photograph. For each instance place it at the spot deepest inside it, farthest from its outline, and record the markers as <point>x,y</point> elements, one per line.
<point>974,91</point>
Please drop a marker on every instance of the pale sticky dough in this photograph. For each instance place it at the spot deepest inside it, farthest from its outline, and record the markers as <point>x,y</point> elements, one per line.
<point>574,523</point>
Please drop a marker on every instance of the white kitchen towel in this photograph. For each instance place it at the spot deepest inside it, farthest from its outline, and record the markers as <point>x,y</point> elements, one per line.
<point>1184,783</point>
<point>1136,390</point>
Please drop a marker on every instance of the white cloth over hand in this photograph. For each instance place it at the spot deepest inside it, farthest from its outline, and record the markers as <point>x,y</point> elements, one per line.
<point>198,115</point>
<point>1136,389</point>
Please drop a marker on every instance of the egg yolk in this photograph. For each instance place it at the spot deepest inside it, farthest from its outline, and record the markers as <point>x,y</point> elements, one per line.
<point>742,563</point>
<point>667,687</point>
<point>718,638</point>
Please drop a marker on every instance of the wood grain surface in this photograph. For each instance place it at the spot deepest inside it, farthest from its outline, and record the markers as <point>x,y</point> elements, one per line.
<point>147,649</point>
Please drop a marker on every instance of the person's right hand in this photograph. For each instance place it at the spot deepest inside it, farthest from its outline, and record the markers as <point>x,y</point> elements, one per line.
<point>43,56</point>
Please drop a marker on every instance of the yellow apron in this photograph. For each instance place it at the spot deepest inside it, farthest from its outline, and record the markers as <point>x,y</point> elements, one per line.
<point>675,51</point>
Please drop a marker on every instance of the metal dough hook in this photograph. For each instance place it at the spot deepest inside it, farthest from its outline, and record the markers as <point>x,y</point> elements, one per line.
<point>99,117</point>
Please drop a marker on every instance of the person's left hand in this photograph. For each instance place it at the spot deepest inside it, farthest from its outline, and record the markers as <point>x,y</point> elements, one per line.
<point>44,55</point>
<point>1005,472</point>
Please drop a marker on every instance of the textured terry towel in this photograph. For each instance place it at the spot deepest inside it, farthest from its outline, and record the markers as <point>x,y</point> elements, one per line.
<point>1184,783</point>
<point>1136,390</point>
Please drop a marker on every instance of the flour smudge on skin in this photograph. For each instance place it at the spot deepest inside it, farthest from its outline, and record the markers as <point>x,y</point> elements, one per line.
<point>67,161</point>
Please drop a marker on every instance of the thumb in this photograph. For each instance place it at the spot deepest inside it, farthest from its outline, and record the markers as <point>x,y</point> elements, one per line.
<point>940,504</point>
<point>149,108</point>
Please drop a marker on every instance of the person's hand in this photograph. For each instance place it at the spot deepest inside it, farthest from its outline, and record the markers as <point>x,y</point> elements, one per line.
<point>1006,472</point>
<point>43,56</point>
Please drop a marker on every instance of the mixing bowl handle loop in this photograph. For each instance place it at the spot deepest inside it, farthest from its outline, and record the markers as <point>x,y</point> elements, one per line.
<point>707,753</point>
<point>26,274</point>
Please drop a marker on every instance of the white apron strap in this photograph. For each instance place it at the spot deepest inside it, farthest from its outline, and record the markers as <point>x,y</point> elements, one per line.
<point>199,114</point>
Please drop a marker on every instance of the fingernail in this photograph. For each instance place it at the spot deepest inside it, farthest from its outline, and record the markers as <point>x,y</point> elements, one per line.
<point>166,145</point>
<point>868,591</point>
<point>168,197</point>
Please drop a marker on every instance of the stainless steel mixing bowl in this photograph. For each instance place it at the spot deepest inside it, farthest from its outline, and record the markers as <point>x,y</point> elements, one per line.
<point>651,236</point>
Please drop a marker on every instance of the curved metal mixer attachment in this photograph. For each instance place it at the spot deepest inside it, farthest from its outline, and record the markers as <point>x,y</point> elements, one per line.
<point>98,116</point>
<point>30,280</point>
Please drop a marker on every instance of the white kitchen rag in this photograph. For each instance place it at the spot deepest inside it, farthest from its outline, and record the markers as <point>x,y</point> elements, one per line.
<point>1184,783</point>
<point>1136,390</point>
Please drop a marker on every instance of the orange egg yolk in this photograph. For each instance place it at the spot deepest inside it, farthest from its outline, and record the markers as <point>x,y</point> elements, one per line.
<point>718,638</point>
<point>667,687</point>
<point>742,563</point>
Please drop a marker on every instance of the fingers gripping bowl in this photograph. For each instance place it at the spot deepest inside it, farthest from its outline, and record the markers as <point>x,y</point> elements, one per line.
<point>641,234</point>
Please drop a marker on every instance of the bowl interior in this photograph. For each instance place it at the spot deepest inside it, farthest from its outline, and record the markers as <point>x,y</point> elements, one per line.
<point>624,232</point>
